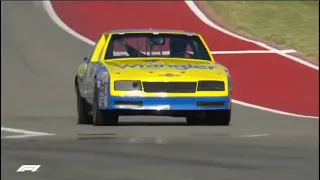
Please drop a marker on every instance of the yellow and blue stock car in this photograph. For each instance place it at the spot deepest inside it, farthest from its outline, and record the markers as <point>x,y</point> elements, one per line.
<point>152,72</point>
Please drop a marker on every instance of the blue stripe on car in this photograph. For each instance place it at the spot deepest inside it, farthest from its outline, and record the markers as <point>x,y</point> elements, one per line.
<point>175,103</point>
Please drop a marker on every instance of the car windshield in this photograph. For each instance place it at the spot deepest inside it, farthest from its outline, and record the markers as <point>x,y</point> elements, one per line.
<point>156,45</point>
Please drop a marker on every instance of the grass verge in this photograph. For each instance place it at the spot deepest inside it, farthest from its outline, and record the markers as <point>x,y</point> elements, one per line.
<point>292,24</point>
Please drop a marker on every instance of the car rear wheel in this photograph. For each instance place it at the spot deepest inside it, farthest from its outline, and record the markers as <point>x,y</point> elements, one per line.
<point>102,117</point>
<point>220,118</point>
<point>83,109</point>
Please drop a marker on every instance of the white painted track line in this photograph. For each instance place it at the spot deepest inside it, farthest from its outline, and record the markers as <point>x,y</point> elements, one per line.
<point>55,18</point>
<point>215,52</point>
<point>21,136</point>
<point>254,51</point>
<point>271,110</point>
<point>25,133</point>
<point>52,14</point>
<point>193,7</point>
<point>48,7</point>
<point>254,135</point>
<point>22,131</point>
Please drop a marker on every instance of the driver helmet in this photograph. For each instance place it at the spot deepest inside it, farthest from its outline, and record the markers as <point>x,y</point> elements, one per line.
<point>178,47</point>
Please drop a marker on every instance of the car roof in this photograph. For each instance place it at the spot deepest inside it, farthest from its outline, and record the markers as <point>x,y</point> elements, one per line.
<point>150,31</point>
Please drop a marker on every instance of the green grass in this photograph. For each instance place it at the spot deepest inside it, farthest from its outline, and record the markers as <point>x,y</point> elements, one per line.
<point>293,24</point>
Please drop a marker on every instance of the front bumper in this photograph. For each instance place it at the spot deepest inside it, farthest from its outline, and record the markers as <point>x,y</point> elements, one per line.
<point>165,103</point>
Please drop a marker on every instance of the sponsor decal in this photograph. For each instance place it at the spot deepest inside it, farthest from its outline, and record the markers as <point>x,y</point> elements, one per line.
<point>99,77</point>
<point>101,96</point>
<point>163,66</point>
<point>101,105</point>
<point>106,96</point>
<point>82,69</point>
<point>150,61</point>
<point>105,101</point>
<point>103,77</point>
<point>170,75</point>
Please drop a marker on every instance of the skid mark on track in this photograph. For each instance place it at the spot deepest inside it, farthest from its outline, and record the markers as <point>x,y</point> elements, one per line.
<point>254,135</point>
<point>23,133</point>
<point>167,139</point>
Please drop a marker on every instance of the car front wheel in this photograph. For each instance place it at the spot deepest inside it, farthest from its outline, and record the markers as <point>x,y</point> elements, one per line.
<point>83,109</point>
<point>220,118</point>
<point>194,121</point>
<point>102,117</point>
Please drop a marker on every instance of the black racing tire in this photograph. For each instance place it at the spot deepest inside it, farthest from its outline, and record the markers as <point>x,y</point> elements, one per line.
<point>83,109</point>
<point>194,121</point>
<point>218,118</point>
<point>102,117</point>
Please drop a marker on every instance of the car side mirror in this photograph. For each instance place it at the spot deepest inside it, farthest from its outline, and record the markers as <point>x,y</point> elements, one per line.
<point>85,59</point>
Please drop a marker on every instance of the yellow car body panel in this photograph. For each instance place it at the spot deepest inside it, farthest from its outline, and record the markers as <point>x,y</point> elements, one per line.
<point>152,69</point>
<point>156,69</point>
<point>150,72</point>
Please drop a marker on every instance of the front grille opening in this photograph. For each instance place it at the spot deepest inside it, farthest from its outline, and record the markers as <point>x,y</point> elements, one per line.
<point>211,86</point>
<point>210,104</point>
<point>169,87</point>
<point>131,104</point>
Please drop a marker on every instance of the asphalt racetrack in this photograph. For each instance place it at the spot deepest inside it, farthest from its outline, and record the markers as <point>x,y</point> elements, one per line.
<point>38,63</point>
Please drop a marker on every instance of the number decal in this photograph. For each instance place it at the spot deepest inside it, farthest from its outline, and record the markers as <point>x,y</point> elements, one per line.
<point>82,69</point>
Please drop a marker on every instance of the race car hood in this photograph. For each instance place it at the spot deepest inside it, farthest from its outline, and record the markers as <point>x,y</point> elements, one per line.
<point>165,68</point>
